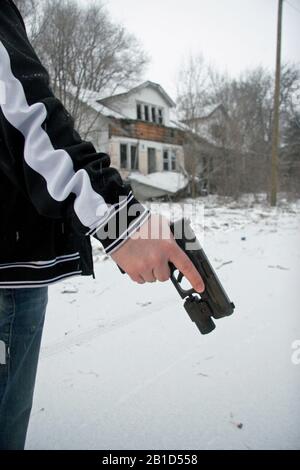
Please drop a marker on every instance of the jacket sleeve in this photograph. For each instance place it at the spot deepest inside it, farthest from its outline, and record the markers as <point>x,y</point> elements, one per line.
<point>62,175</point>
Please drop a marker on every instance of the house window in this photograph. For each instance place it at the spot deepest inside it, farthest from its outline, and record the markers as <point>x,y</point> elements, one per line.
<point>169,160</point>
<point>160,116</point>
<point>123,156</point>
<point>166,160</point>
<point>153,110</point>
<point>139,111</point>
<point>151,160</point>
<point>133,158</point>
<point>128,157</point>
<point>146,110</point>
<point>173,161</point>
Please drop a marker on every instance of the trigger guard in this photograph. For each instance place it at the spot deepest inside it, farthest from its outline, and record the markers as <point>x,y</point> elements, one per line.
<point>177,280</point>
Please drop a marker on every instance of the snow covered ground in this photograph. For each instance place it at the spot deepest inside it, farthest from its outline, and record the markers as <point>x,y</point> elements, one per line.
<point>123,367</point>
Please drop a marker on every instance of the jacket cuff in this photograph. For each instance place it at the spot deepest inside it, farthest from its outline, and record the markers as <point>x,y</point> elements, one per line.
<point>122,222</point>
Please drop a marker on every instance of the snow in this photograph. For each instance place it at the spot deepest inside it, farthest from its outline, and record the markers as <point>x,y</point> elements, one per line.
<point>123,367</point>
<point>175,121</point>
<point>169,181</point>
<point>123,91</point>
<point>187,124</point>
<point>92,98</point>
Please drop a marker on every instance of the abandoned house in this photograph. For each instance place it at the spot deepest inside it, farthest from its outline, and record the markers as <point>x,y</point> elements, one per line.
<point>135,128</point>
<point>211,125</point>
<point>207,148</point>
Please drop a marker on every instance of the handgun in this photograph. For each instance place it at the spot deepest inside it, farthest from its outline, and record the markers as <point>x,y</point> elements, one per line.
<point>211,304</point>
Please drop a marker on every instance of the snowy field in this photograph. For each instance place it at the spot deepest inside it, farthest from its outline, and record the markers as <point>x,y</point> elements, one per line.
<point>123,367</point>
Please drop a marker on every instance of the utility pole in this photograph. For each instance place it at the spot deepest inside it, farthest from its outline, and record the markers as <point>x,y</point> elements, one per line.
<point>275,130</point>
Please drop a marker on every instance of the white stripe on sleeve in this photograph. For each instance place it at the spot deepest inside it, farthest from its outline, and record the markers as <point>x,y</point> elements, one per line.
<point>55,166</point>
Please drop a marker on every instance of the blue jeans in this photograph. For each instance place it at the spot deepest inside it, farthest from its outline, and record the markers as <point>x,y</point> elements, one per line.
<point>22,313</point>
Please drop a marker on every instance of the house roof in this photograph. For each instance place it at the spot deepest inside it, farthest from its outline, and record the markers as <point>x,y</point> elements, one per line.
<point>105,105</point>
<point>91,99</point>
<point>206,112</point>
<point>176,123</point>
<point>138,88</point>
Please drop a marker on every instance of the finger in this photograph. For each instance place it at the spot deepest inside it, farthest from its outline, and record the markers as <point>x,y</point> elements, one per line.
<point>148,276</point>
<point>162,272</point>
<point>186,267</point>
<point>136,278</point>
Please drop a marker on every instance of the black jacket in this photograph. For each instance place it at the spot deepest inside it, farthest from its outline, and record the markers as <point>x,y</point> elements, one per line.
<point>55,189</point>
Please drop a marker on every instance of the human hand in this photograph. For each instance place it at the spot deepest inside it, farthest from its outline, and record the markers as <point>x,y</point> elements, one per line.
<point>146,255</point>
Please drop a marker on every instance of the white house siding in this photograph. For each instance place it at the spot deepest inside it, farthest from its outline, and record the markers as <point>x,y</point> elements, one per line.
<point>152,97</point>
<point>106,130</point>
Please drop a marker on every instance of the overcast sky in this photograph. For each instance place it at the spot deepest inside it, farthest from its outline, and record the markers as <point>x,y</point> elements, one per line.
<point>231,34</point>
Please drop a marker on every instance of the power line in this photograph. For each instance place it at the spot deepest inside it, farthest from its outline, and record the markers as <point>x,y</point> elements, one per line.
<point>293,6</point>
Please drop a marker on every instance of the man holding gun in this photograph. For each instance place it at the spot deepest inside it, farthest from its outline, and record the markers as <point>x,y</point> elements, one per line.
<point>55,192</point>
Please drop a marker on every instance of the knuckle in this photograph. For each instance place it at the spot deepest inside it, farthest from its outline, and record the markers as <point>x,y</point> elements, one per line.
<point>170,245</point>
<point>158,258</point>
<point>143,265</point>
<point>140,266</point>
<point>153,258</point>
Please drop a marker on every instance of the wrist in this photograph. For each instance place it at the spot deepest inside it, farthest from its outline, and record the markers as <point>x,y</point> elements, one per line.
<point>124,220</point>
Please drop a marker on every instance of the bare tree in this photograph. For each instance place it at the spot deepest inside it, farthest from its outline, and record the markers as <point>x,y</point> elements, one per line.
<point>85,50</point>
<point>31,11</point>
<point>26,7</point>
<point>242,132</point>
<point>193,85</point>
<point>207,140</point>
<point>290,152</point>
